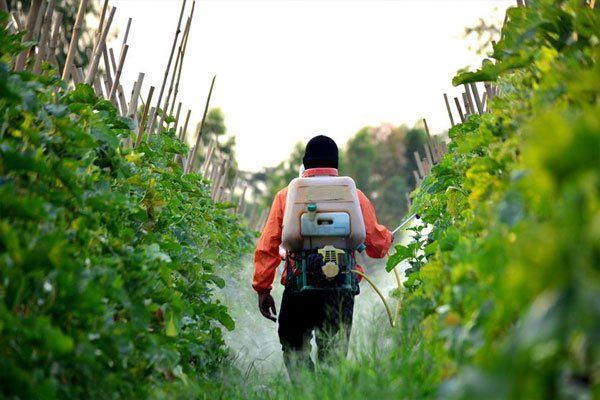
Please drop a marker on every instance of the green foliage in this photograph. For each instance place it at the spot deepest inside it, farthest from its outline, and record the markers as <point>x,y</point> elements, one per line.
<point>108,255</point>
<point>511,282</point>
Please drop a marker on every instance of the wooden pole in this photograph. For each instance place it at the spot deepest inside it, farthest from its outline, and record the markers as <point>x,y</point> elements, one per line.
<point>185,42</point>
<point>75,74</point>
<point>45,37</point>
<point>34,10</point>
<point>477,98</point>
<point>108,81</point>
<point>419,164</point>
<point>144,117</point>
<point>127,32</point>
<point>449,109</point>
<point>185,125</point>
<point>54,39</point>
<point>131,112</point>
<point>208,159</point>
<point>38,22</point>
<point>17,21</point>
<point>484,101</point>
<point>101,23</point>
<point>101,44</point>
<point>241,203</point>
<point>74,38</point>
<point>470,99</point>
<point>468,110</point>
<point>169,92</point>
<point>460,113</point>
<point>177,117</point>
<point>417,178</point>
<point>199,133</point>
<point>115,84</point>
<point>164,82</point>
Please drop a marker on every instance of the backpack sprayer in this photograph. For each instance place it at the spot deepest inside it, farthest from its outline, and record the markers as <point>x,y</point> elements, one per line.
<point>323,226</point>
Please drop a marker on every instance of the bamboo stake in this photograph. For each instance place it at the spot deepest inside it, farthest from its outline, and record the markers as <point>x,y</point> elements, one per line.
<point>208,159</point>
<point>54,39</point>
<point>419,164</point>
<point>166,104</point>
<point>101,24</point>
<point>122,57</point>
<point>468,110</point>
<point>131,112</point>
<point>17,21</point>
<point>75,74</point>
<point>185,125</point>
<point>460,113</point>
<point>177,117</point>
<point>428,156</point>
<point>241,203</point>
<point>74,39</point>
<point>199,134</point>
<point>215,176</point>
<point>98,87</point>
<point>176,91</point>
<point>80,74</point>
<point>484,102</point>
<point>164,82</point>
<point>101,44</point>
<point>182,52</point>
<point>233,186</point>
<point>217,196</point>
<point>127,32</point>
<point>449,109</point>
<point>119,88</point>
<point>408,202</point>
<point>477,98</point>
<point>108,81</point>
<point>429,145</point>
<point>29,26</point>
<point>417,178</point>
<point>144,116</point>
<point>45,37</point>
<point>470,99</point>
<point>210,156</point>
<point>38,21</point>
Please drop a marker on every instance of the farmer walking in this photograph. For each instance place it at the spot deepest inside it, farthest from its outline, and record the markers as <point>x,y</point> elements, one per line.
<point>315,226</point>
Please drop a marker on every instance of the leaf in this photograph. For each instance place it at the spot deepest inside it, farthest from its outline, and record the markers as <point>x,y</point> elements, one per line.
<point>170,329</point>
<point>401,254</point>
<point>82,94</point>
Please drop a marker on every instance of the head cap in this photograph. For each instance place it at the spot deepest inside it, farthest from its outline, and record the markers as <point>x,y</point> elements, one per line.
<point>320,152</point>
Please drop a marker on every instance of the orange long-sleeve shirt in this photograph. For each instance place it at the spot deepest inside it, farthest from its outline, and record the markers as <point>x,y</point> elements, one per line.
<point>267,258</point>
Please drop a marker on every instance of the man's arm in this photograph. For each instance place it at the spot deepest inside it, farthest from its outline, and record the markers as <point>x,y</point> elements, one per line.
<point>379,238</point>
<point>266,255</point>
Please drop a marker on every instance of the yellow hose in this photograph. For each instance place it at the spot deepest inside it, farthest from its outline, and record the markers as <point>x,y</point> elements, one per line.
<point>374,286</point>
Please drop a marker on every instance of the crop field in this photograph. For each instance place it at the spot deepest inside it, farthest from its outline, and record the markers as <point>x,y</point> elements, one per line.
<point>126,234</point>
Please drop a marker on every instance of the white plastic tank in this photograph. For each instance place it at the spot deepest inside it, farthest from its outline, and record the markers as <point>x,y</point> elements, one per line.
<point>337,219</point>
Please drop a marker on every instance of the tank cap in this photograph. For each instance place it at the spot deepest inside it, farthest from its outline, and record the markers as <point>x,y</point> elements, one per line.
<point>312,207</point>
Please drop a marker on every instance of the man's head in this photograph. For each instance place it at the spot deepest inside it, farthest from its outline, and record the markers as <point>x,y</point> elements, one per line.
<point>320,152</point>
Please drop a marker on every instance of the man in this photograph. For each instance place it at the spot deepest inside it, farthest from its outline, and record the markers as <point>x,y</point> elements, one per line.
<point>329,314</point>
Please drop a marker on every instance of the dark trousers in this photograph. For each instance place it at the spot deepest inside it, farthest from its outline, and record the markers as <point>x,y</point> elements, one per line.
<point>329,314</point>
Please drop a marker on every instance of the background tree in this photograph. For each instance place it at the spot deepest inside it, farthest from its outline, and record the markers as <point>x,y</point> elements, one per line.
<point>381,161</point>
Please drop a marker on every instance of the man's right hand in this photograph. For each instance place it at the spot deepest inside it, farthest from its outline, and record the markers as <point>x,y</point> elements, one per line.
<point>266,305</point>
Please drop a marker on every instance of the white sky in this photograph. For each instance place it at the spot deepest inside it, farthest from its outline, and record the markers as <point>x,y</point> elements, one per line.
<point>287,70</point>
